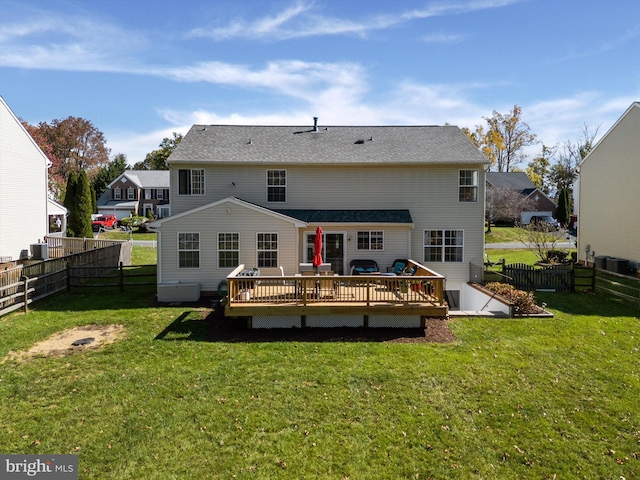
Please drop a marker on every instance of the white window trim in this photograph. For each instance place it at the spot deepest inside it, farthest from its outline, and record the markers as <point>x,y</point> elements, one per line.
<point>443,246</point>
<point>277,250</point>
<point>131,193</point>
<point>476,186</point>
<point>198,250</point>
<point>117,193</point>
<point>191,172</point>
<point>218,247</point>
<point>285,186</point>
<point>159,194</point>
<point>369,232</point>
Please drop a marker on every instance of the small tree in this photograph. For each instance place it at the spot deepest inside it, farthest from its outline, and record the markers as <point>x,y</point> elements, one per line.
<point>507,205</point>
<point>541,240</point>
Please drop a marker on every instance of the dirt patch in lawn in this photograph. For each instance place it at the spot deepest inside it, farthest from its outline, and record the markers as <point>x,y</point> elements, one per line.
<point>75,340</point>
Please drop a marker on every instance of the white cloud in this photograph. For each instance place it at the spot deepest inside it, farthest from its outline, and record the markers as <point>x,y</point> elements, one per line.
<point>300,21</point>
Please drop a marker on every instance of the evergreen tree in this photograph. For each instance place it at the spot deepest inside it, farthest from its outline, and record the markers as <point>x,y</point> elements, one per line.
<point>564,207</point>
<point>83,207</point>
<point>69,203</point>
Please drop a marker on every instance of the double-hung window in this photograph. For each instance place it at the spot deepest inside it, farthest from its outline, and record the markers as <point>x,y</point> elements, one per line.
<point>228,250</point>
<point>373,240</point>
<point>191,182</point>
<point>148,194</point>
<point>267,247</point>
<point>468,186</point>
<point>131,193</point>
<point>117,193</point>
<point>277,186</point>
<point>443,245</point>
<point>188,250</point>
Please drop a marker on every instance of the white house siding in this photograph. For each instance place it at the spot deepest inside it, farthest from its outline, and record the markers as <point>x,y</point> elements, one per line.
<point>610,192</point>
<point>429,192</point>
<point>23,187</point>
<point>227,217</point>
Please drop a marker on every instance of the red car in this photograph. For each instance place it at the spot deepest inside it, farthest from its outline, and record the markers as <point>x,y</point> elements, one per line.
<point>104,222</point>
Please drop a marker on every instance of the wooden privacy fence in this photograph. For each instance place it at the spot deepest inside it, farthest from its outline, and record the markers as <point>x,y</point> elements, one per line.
<point>24,284</point>
<point>557,278</point>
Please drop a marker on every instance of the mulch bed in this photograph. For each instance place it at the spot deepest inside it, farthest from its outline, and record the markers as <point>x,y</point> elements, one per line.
<point>223,329</point>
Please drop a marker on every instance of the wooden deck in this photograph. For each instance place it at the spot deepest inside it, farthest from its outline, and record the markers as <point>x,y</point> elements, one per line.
<point>417,295</point>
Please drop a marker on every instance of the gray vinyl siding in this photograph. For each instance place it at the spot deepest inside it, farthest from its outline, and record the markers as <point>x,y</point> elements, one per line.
<point>223,218</point>
<point>430,192</point>
<point>609,220</point>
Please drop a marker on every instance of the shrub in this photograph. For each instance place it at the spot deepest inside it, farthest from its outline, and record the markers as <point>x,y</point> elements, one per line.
<point>523,302</point>
<point>133,221</point>
<point>557,256</point>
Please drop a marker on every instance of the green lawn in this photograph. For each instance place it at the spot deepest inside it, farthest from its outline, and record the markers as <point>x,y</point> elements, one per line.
<point>527,398</point>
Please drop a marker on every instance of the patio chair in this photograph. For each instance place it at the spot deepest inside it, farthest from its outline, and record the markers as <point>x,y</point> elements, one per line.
<point>399,266</point>
<point>327,286</point>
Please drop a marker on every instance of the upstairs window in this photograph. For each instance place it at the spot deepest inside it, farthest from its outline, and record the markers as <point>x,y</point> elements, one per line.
<point>117,193</point>
<point>191,182</point>
<point>148,194</point>
<point>370,240</point>
<point>188,250</point>
<point>267,247</point>
<point>277,186</point>
<point>228,250</point>
<point>160,194</point>
<point>443,245</point>
<point>131,193</point>
<point>468,186</point>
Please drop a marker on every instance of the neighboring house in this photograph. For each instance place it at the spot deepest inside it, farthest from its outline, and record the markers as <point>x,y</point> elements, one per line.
<point>609,193</point>
<point>137,192</point>
<point>23,188</point>
<point>521,183</point>
<point>254,195</point>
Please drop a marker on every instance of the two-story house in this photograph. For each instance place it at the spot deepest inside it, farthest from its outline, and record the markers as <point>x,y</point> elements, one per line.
<point>520,182</point>
<point>137,192</point>
<point>24,203</point>
<point>255,195</point>
<point>609,197</point>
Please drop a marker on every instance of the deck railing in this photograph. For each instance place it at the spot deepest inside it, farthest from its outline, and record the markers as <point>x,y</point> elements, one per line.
<point>424,286</point>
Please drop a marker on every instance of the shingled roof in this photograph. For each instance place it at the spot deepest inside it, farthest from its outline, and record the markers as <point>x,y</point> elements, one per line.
<point>375,145</point>
<point>349,216</point>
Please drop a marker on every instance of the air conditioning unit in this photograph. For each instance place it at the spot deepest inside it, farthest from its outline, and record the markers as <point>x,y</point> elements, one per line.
<point>39,251</point>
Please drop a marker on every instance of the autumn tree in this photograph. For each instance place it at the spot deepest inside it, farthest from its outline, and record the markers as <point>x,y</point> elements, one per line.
<point>157,159</point>
<point>564,171</point>
<point>77,145</point>
<point>538,169</point>
<point>503,140</point>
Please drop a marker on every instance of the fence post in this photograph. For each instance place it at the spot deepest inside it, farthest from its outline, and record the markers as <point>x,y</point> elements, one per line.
<point>121,277</point>
<point>68,277</point>
<point>26,293</point>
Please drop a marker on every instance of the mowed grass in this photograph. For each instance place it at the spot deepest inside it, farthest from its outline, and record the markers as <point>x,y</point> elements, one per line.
<point>527,398</point>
